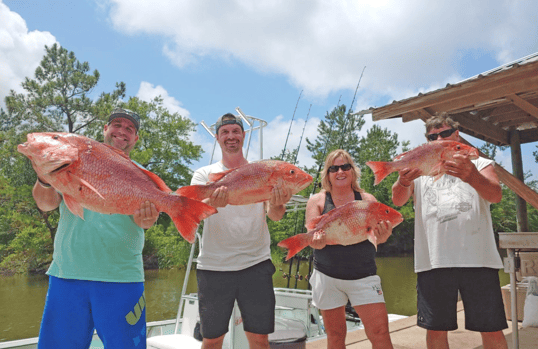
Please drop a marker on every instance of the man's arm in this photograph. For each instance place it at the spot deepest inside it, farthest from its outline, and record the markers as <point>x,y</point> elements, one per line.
<point>45,196</point>
<point>485,182</point>
<point>403,188</point>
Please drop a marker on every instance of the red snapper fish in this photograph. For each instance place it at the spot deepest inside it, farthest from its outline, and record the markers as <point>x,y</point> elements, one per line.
<point>348,224</point>
<point>103,179</point>
<point>429,158</point>
<point>251,183</point>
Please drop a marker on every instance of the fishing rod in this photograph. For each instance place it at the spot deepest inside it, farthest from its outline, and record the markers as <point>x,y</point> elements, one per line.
<point>302,134</point>
<point>291,123</point>
<point>349,110</point>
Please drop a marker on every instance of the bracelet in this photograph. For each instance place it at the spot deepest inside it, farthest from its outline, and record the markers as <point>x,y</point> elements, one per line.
<point>43,184</point>
<point>400,183</point>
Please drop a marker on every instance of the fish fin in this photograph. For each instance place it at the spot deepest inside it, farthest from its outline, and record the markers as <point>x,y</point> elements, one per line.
<point>187,214</point>
<point>371,237</point>
<point>195,192</point>
<point>74,206</point>
<point>86,184</point>
<point>436,171</point>
<point>401,156</point>
<point>157,180</point>
<point>381,170</point>
<point>213,177</point>
<point>312,224</point>
<point>295,243</point>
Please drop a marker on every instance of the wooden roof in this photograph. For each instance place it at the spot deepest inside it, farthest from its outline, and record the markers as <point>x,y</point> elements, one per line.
<point>488,106</point>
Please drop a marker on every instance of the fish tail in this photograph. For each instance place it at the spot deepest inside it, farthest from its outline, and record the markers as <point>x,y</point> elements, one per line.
<point>381,170</point>
<point>195,192</point>
<point>187,214</point>
<point>295,243</point>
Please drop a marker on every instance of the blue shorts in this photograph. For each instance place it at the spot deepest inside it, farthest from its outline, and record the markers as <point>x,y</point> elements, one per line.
<point>74,308</point>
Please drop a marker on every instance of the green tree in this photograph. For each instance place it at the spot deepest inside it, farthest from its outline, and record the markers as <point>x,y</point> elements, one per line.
<point>59,99</point>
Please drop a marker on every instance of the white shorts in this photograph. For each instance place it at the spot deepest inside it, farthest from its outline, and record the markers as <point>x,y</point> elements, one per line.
<point>330,293</point>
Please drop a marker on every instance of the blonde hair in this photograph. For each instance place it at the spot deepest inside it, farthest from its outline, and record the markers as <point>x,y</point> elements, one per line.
<point>355,171</point>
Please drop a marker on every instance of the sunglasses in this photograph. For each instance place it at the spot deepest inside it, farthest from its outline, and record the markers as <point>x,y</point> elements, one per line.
<point>344,167</point>
<point>443,134</point>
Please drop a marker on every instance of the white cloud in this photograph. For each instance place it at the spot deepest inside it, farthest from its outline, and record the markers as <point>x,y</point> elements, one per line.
<point>21,51</point>
<point>148,92</point>
<point>322,46</point>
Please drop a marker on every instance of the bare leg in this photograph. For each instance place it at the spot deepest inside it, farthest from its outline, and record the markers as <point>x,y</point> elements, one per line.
<point>257,341</point>
<point>376,324</point>
<point>437,339</point>
<point>494,340</point>
<point>334,321</point>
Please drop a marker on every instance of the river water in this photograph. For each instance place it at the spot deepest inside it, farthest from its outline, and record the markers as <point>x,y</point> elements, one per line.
<point>22,298</point>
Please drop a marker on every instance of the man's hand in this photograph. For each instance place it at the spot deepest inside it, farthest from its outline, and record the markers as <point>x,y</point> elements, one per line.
<point>408,175</point>
<point>146,216</point>
<point>280,196</point>
<point>461,167</point>
<point>219,198</point>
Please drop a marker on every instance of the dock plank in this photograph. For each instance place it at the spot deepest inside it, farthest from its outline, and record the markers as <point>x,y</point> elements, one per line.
<point>405,334</point>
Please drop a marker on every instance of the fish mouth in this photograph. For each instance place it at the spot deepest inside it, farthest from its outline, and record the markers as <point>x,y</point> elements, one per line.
<point>58,169</point>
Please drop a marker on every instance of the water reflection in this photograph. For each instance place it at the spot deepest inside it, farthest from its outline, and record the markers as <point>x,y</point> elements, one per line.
<point>22,298</point>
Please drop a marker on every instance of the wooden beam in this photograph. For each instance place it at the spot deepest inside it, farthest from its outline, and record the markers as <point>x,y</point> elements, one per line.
<point>422,114</point>
<point>529,135</point>
<point>482,127</point>
<point>517,170</point>
<point>524,105</point>
<point>495,86</point>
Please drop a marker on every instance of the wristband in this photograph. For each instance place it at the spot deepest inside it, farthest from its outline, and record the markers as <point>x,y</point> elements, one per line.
<point>43,184</point>
<point>400,183</point>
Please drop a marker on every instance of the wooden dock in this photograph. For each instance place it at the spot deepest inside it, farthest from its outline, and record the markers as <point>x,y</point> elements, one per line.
<point>405,334</point>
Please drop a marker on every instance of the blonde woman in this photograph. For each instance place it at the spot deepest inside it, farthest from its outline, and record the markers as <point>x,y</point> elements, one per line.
<point>343,273</point>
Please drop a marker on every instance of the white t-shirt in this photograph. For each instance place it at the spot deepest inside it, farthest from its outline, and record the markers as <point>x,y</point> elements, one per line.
<point>236,237</point>
<point>453,225</point>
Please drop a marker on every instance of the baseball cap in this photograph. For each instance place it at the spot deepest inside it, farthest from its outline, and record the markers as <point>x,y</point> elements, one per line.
<point>228,119</point>
<point>126,114</point>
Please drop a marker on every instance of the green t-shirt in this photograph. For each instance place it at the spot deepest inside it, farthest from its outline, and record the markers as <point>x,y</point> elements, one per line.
<point>101,247</point>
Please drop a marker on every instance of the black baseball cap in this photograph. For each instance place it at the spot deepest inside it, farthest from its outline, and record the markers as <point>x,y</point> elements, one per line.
<point>126,114</point>
<point>228,119</point>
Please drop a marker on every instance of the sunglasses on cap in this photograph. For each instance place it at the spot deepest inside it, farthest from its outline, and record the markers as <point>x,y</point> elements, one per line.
<point>335,168</point>
<point>443,134</point>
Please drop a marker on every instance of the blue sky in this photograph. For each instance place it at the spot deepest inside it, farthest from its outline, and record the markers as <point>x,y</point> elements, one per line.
<point>206,58</point>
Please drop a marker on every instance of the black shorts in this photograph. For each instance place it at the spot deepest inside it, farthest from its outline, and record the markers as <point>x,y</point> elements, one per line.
<point>253,290</point>
<point>480,290</point>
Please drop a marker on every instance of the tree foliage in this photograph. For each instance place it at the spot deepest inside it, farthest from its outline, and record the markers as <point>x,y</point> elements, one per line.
<point>59,99</point>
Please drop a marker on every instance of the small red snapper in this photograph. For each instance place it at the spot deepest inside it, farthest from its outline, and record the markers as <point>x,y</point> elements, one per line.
<point>100,178</point>
<point>348,224</point>
<point>428,157</point>
<point>251,183</point>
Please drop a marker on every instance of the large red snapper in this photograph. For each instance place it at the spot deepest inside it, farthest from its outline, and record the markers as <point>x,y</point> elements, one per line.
<point>348,224</point>
<point>429,158</point>
<point>252,182</point>
<point>100,178</point>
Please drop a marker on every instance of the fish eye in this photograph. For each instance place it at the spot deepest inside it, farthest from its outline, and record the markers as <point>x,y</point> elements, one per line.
<point>458,147</point>
<point>386,211</point>
<point>55,137</point>
<point>292,171</point>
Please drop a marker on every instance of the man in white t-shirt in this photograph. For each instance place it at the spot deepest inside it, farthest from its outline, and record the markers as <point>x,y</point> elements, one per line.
<point>455,247</point>
<point>235,257</point>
